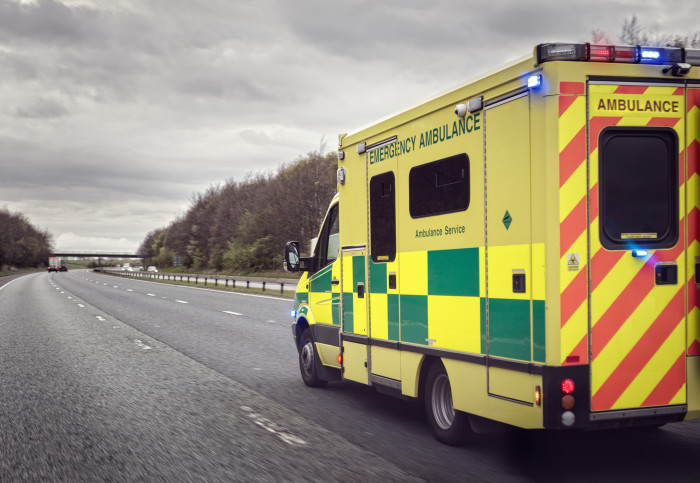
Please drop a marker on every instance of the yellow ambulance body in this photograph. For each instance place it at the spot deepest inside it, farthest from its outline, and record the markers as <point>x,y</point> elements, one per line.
<point>522,248</point>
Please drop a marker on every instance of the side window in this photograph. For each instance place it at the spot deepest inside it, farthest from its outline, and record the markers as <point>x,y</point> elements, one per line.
<point>638,182</point>
<point>439,187</point>
<point>382,208</point>
<point>329,242</point>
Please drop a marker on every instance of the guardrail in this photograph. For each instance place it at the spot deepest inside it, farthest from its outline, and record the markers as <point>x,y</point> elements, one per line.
<point>288,284</point>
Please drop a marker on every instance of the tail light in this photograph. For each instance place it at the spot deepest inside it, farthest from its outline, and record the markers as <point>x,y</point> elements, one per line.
<point>568,418</point>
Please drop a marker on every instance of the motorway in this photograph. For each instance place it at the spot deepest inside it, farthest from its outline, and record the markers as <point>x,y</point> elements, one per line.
<point>105,378</point>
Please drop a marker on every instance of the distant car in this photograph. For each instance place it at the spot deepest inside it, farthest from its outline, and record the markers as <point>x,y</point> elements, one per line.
<point>52,268</point>
<point>152,269</point>
<point>63,268</point>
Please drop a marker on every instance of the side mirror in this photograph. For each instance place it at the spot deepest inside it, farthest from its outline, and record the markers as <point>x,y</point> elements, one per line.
<point>291,257</point>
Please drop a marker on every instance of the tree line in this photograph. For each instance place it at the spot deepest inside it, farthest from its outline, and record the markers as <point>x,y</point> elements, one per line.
<point>22,245</point>
<point>243,226</point>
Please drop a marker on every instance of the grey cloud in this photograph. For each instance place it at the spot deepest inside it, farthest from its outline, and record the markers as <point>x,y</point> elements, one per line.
<point>42,108</point>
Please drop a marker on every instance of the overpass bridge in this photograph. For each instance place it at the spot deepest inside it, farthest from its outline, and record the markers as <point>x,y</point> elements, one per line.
<point>93,254</point>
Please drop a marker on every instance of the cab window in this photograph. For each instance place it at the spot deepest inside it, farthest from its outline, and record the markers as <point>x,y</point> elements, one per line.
<point>329,243</point>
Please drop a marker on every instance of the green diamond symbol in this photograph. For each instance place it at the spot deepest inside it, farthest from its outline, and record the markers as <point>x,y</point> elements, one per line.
<point>507,220</point>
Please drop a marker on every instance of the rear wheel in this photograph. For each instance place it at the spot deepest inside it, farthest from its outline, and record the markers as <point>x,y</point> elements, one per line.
<point>307,361</point>
<point>449,426</point>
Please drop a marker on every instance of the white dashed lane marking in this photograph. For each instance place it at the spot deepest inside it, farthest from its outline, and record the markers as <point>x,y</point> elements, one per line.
<point>232,313</point>
<point>181,302</point>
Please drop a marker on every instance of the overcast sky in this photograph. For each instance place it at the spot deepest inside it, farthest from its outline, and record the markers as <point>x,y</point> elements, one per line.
<point>114,112</point>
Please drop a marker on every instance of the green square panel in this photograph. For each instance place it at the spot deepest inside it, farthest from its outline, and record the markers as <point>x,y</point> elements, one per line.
<point>358,271</point>
<point>393,315</point>
<point>377,277</point>
<point>414,318</point>
<point>335,309</point>
<point>348,321</point>
<point>539,353</point>
<point>454,272</point>
<point>509,329</point>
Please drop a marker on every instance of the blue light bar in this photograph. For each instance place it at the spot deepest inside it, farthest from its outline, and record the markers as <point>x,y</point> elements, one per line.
<point>294,313</point>
<point>639,253</point>
<point>649,54</point>
<point>534,81</point>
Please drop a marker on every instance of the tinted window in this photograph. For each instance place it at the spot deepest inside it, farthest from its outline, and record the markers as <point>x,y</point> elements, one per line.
<point>382,217</point>
<point>638,169</point>
<point>439,187</point>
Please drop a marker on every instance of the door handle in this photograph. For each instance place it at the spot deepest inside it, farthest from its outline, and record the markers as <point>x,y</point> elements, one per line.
<point>335,282</point>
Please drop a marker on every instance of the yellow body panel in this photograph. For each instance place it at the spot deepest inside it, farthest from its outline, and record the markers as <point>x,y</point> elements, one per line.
<point>386,362</point>
<point>532,210</point>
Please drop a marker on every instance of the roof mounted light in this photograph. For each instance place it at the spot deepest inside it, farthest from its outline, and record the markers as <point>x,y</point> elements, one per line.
<point>616,53</point>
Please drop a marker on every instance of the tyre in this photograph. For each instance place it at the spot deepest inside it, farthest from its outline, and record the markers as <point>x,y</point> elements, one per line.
<point>448,425</point>
<point>307,361</point>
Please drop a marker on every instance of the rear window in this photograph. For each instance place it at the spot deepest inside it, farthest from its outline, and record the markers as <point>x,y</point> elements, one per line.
<point>439,187</point>
<point>638,182</point>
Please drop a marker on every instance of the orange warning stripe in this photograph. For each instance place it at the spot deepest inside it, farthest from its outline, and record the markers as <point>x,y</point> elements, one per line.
<point>628,301</point>
<point>635,360</point>
<point>671,383</point>
<point>629,382</point>
<point>574,225</point>
<point>693,159</point>
<point>572,156</point>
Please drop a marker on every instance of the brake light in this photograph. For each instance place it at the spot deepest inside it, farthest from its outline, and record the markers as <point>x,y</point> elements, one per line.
<point>567,386</point>
<point>568,418</point>
<point>601,53</point>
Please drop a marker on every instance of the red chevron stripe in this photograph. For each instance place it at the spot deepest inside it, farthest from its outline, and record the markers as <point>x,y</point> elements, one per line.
<point>693,224</point>
<point>669,386</point>
<point>693,99</point>
<point>693,158</point>
<point>594,202</point>
<point>641,353</point>
<point>572,156</point>
<point>565,102</point>
<point>694,349</point>
<point>663,121</point>
<point>580,353</point>
<point>603,262</point>
<point>678,92</point>
<point>572,227</point>
<point>572,88</point>
<point>596,125</point>
<point>693,299</point>
<point>630,298</point>
<point>573,296</point>
<point>631,89</point>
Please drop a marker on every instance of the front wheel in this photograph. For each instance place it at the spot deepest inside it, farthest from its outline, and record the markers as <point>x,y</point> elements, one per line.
<point>307,361</point>
<point>449,426</point>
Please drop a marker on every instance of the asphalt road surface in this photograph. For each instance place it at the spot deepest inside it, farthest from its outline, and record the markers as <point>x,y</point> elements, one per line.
<point>104,378</point>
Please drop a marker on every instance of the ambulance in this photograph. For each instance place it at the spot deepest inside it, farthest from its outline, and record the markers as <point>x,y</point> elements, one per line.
<point>520,250</point>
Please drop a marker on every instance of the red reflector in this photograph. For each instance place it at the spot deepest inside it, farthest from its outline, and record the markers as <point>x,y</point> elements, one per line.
<point>567,386</point>
<point>573,358</point>
<point>340,358</point>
